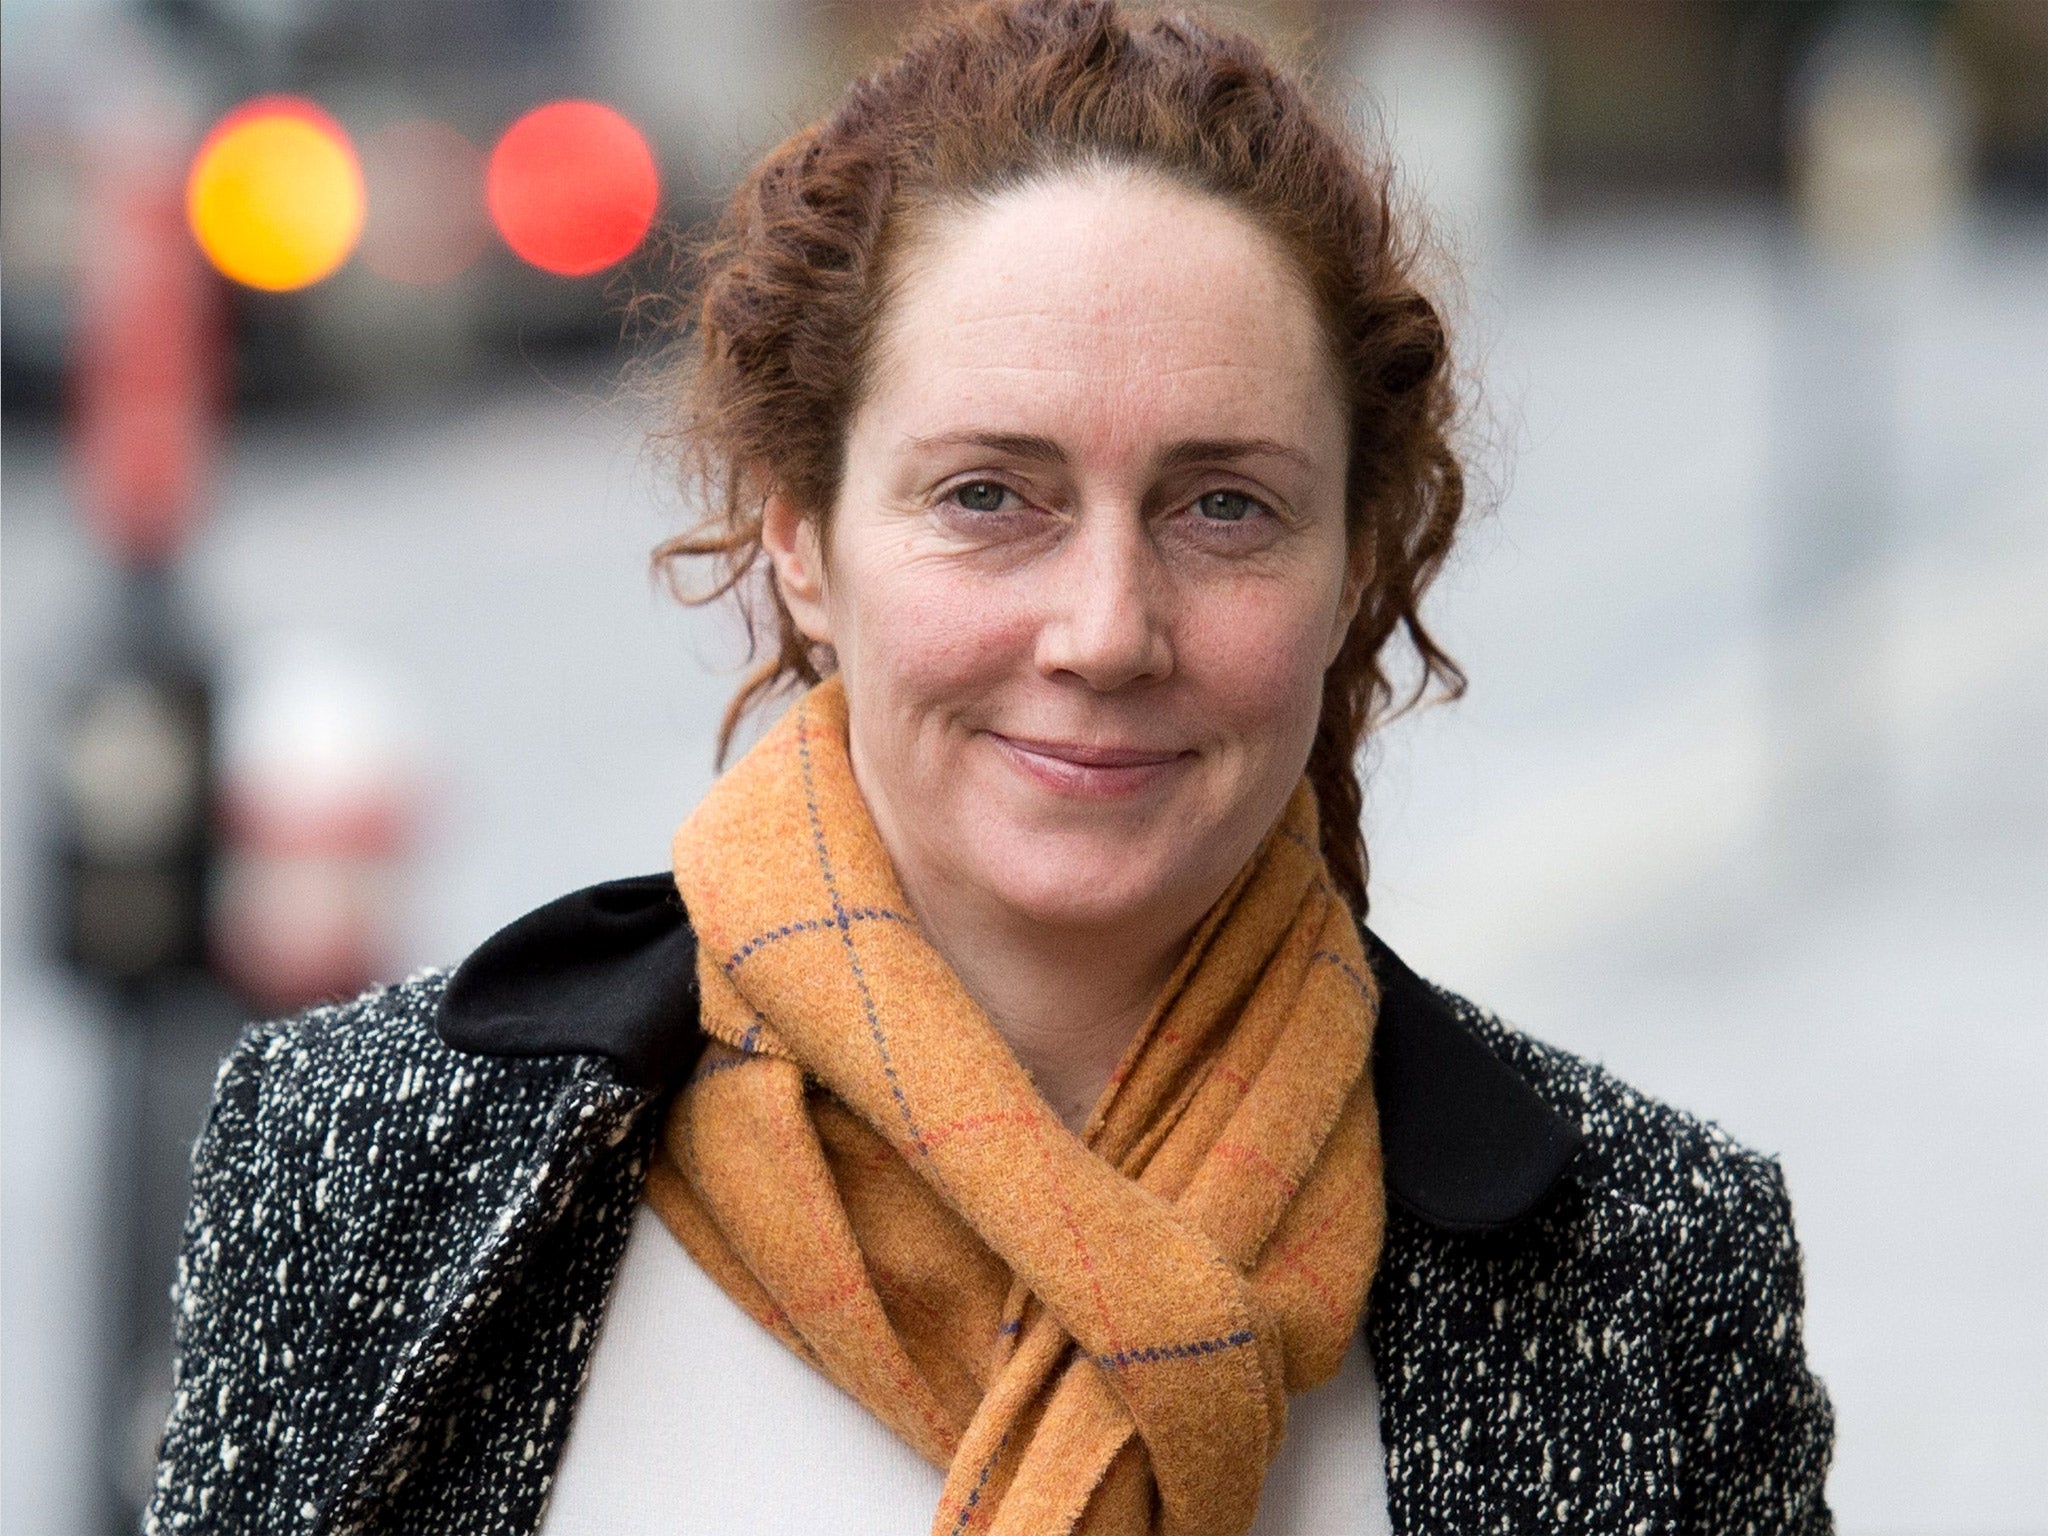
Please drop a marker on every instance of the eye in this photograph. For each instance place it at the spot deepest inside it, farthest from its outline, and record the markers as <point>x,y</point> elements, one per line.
<point>1226,506</point>
<point>981,495</point>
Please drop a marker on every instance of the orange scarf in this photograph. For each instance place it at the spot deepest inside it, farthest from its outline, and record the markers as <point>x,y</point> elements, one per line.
<point>1090,1334</point>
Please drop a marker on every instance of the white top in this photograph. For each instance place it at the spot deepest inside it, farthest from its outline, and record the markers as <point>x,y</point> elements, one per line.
<point>694,1418</point>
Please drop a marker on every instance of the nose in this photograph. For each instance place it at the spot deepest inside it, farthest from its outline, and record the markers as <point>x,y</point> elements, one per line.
<point>1106,617</point>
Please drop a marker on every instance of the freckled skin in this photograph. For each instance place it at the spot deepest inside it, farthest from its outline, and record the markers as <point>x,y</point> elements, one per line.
<point>1026,546</point>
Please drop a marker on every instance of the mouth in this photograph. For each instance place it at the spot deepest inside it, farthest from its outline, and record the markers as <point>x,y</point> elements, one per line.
<point>1088,771</point>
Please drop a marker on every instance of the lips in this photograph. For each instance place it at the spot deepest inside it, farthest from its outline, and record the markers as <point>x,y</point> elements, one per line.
<point>1089,771</point>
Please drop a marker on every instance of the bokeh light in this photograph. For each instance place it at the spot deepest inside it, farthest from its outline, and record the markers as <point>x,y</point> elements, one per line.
<point>572,187</point>
<point>426,222</point>
<point>275,197</point>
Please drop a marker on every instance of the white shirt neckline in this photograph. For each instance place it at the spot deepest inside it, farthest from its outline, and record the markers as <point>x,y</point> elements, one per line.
<point>694,1418</point>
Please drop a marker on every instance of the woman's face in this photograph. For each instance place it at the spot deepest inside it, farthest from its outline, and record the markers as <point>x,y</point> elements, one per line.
<point>1087,566</point>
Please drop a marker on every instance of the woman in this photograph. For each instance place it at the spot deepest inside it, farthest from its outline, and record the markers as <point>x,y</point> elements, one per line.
<point>998,1117</point>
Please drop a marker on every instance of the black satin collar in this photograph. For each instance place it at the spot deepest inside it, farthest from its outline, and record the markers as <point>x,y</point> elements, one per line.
<point>612,970</point>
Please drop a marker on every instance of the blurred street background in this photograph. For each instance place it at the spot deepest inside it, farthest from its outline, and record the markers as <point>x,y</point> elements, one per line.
<point>328,643</point>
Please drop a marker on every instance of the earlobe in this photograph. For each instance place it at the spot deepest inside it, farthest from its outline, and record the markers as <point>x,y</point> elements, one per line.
<point>791,540</point>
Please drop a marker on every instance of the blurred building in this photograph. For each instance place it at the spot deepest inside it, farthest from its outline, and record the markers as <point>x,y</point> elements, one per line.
<point>1597,102</point>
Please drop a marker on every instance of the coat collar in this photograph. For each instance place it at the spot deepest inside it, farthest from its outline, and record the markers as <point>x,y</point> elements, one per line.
<point>611,970</point>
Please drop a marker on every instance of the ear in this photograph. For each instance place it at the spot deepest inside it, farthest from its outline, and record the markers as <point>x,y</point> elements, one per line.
<point>1358,567</point>
<point>792,542</point>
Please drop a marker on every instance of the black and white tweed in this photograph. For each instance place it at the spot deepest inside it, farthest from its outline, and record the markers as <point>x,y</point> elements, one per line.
<point>398,1253</point>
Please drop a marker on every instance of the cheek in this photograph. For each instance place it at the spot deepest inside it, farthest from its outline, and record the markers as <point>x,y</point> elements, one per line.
<point>1255,656</point>
<point>924,632</point>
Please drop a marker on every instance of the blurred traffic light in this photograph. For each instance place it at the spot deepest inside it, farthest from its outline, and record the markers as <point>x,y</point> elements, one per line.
<point>276,194</point>
<point>573,187</point>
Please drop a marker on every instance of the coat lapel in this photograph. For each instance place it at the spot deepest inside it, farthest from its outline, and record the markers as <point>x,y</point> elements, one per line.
<point>1514,1392</point>
<point>413,1419</point>
<point>1503,1298</point>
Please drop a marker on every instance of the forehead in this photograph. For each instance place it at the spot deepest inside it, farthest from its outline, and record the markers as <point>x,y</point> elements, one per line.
<point>1104,309</point>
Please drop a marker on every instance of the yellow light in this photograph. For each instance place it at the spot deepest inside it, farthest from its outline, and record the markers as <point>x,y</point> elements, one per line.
<point>275,197</point>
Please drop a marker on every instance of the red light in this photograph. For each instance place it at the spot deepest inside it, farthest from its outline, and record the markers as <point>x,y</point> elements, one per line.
<point>572,187</point>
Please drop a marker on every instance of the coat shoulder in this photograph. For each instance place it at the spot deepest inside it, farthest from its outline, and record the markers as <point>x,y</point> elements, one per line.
<point>1695,1233</point>
<point>353,1128</point>
<point>354,1116</point>
<point>381,1045</point>
<point>353,1173</point>
<point>1650,1157</point>
<point>374,1078</point>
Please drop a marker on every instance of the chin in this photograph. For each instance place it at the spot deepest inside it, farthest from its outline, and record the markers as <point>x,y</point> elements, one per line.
<point>1076,883</point>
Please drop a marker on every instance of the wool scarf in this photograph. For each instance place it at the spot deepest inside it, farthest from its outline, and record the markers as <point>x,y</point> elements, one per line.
<point>1091,1333</point>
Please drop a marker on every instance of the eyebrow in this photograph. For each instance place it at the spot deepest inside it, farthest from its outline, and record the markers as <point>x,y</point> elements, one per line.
<point>1189,451</point>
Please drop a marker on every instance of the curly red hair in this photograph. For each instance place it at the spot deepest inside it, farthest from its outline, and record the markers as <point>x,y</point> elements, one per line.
<point>788,291</point>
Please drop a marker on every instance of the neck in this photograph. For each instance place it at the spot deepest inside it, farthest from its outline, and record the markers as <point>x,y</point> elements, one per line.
<point>1067,1000</point>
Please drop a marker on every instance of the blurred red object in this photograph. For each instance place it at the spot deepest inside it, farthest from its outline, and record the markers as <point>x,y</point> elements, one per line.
<point>302,906</point>
<point>147,376</point>
<point>318,815</point>
<point>572,187</point>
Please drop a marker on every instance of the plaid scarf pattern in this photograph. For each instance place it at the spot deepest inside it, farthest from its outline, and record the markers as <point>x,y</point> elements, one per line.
<point>1090,1334</point>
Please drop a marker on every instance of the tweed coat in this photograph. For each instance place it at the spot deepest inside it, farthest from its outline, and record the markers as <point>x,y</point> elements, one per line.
<point>408,1211</point>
